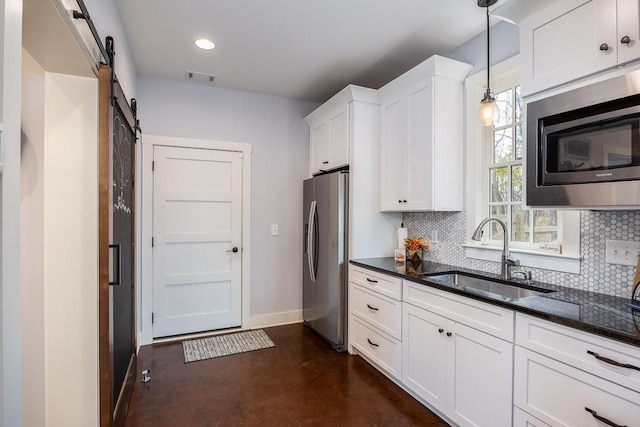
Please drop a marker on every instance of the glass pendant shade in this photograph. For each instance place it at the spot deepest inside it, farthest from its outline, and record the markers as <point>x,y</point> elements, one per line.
<point>488,112</point>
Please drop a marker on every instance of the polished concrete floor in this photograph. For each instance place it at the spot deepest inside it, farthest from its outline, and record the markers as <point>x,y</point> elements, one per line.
<point>301,381</point>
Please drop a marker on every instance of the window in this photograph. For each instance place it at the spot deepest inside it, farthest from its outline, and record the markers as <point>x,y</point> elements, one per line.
<point>495,183</point>
<point>528,228</point>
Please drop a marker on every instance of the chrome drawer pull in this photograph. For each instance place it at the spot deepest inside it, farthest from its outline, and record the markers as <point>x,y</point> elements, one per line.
<point>372,343</point>
<point>612,362</point>
<point>372,308</point>
<point>602,419</point>
<point>371,280</point>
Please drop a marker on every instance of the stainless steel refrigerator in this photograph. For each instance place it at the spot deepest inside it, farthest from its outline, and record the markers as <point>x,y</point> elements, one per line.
<point>324,261</point>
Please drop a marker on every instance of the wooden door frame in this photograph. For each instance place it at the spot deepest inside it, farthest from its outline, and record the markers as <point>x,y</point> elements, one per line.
<point>146,224</point>
<point>109,417</point>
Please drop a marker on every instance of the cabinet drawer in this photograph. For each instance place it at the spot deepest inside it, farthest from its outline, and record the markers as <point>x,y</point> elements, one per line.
<point>491,319</point>
<point>522,419</point>
<point>378,282</point>
<point>558,394</point>
<point>578,349</point>
<point>378,347</point>
<point>382,312</point>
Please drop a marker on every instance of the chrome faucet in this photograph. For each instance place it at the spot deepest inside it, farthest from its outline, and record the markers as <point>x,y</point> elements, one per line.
<point>505,272</point>
<point>526,275</point>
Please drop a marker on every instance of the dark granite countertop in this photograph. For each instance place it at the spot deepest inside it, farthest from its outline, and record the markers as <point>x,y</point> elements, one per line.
<point>592,312</point>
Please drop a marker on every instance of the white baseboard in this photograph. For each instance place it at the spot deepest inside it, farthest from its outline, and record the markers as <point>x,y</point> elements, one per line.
<point>276,319</point>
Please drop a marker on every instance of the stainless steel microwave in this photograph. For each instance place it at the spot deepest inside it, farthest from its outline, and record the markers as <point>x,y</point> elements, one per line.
<point>583,147</point>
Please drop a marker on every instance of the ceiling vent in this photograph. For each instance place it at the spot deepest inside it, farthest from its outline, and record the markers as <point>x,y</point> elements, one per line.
<point>202,78</point>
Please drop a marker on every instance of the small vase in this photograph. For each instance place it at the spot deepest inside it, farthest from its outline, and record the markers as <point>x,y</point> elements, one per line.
<point>414,257</point>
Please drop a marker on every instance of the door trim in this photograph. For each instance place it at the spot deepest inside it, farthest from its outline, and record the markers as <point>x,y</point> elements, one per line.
<point>145,219</point>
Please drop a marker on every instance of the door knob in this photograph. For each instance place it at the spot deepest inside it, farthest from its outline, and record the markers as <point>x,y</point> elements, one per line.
<point>625,40</point>
<point>604,47</point>
<point>234,250</point>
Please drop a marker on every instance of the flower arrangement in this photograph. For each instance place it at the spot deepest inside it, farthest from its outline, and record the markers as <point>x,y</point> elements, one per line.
<point>415,243</point>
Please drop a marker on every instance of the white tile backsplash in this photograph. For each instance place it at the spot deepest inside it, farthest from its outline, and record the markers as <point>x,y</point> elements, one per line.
<point>595,228</point>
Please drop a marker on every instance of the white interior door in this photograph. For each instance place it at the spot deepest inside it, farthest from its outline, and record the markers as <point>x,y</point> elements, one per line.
<point>197,231</point>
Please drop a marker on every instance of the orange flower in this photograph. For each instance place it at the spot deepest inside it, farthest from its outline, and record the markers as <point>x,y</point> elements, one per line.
<point>415,243</point>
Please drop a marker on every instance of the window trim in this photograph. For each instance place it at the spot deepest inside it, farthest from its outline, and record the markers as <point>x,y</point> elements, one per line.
<point>476,190</point>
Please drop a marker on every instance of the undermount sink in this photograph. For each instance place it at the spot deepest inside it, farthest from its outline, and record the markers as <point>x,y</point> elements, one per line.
<point>488,287</point>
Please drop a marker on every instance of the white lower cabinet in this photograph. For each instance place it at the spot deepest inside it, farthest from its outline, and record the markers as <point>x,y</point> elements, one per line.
<point>375,319</point>
<point>462,372</point>
<point>456,354</point>
<point>566,377</point>
<point>561,395</point>
<point>522,419</point>
<point>379,348</point>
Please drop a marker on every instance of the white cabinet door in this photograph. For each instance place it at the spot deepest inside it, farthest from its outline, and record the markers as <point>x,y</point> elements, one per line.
<point>628,26</point>
<point>561,395</point>
<point>459,370</point>
<point>378,347</point>
<point>320,145</point>
<point>563,43</point>
<point>424,354</point>
<point>330,141</point>
<point>421,148</point>
<point>419,156</point>
<point>339,140</point>
<point>522,419</point>
<point>480,374</point>
<point>393,174</point>
<point>381,312</point>
<point>576,38</point>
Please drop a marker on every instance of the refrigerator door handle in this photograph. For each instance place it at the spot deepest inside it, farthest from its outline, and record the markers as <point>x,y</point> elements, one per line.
<point>310,240</point>
<point>316,242</point>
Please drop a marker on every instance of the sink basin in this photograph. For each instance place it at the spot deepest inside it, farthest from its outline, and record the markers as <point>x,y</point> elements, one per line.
<point>488,287</point>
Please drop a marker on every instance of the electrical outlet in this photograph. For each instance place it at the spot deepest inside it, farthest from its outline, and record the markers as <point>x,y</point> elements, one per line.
<point>274,230</point>
<point>434,236</point>
<point>623,252</point>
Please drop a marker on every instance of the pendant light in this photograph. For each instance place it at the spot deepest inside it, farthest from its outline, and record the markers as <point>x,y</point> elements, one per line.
<point>488,111</point>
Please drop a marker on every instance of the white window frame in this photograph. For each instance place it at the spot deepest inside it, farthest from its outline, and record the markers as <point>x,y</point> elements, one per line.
<point>477,184</point>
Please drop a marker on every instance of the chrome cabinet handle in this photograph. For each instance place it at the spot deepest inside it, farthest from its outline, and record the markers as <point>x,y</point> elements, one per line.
<point>602,419</point>
<point>371,280</point>
<point>372,343</point>
<point>604,47</point>
<point>372,308</point>
<point>612,362</point>
<point>625,40</point>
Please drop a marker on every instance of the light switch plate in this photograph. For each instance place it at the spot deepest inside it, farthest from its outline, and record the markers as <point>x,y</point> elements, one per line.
<point>274,230</point>
<point>623,252</point>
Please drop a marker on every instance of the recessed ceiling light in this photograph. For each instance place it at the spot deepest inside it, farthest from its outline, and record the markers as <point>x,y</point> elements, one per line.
<point>205,44</point>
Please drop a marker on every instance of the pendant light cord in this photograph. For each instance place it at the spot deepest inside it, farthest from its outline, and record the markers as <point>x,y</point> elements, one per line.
<point>488,54</point>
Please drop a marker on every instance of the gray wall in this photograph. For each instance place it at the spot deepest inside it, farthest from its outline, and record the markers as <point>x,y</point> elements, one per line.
<point>280,162</point>
<point>505,42</point>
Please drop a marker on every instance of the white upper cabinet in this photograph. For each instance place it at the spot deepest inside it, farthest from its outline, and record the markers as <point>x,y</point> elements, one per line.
<point>331,126</point>
<point>576,38</point>
<point>421,138</point>
<point>330,141</point>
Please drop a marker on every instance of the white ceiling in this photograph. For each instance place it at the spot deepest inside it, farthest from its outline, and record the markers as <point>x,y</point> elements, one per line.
<point>301,49</point>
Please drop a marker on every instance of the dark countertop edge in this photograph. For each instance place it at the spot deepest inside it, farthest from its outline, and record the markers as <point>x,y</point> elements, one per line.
<point>572,323</point>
